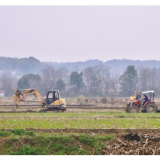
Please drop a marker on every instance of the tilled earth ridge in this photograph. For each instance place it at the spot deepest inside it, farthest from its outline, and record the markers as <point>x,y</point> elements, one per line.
<point>154,132</point>
<point>143,144</point>
<point>126,141</point>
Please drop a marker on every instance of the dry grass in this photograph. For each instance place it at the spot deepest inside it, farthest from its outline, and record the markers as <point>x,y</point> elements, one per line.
<point>148,145</point>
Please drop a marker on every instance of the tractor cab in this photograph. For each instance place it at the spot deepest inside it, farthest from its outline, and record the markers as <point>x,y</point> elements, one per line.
<point>150,95</point>
<point>138,103</point>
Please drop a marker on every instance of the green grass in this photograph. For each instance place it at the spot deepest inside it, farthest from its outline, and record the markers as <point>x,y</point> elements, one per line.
<point>81,114</point>
<point>5,133</point>
<point>55,144</point>
<point>16,132</point>
<point>82,123</point>
<point>27,150</point>
<point>79,120</point>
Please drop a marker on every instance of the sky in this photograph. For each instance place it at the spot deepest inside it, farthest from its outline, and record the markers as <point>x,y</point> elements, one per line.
<point>80,33</point>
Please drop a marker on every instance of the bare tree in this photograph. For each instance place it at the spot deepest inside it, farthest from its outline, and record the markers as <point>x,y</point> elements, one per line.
<point>143,78</point>
<point>63,73</point>
<point>48,78</point>
<point>152,79</point>
<point>113,83</point>
<point>88,79</point>
<point>155,80</point>
<point>95,78</point>
<point>8,83</point>
<point>36,84</point>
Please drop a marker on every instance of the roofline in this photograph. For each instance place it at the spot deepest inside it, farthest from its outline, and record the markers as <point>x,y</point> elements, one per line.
<point>148,92</point>
<point>53,90</point>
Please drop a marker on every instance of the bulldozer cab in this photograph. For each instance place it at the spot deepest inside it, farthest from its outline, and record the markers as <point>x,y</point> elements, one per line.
<point>52,96</point>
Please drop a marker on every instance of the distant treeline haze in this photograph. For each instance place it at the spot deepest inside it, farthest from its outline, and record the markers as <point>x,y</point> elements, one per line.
<point>98,80</point>
<point>22,66</point>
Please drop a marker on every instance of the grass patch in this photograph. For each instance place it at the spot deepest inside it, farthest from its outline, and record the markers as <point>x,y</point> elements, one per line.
<point>86,123</point>
<point>82,144</point>
<point>5,133</point>
<point>97,120</point>
<point>79,114</point>
<point>16,132</point>
<point>27,150</point>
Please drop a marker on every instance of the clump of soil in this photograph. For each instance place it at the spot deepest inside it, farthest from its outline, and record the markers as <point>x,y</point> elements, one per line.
<point>132,137</point>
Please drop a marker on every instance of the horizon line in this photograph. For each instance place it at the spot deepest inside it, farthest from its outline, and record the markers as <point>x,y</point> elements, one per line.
<point>80,61</point>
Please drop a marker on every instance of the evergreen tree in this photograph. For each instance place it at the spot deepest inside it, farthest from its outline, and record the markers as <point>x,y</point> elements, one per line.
<point>77,80</point>
<point>128,81</point>
<point>28,81</point>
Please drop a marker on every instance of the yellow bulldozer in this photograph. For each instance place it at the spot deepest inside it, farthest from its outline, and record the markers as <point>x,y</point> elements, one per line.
<point>52,102</point>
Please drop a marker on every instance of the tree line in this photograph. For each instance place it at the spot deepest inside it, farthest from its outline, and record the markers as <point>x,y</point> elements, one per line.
<point>96,80</point>
<point>21,66</point>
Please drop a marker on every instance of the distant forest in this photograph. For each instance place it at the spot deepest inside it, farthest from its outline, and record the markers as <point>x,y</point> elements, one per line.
<point>22,66</point>
<point>89,78</point>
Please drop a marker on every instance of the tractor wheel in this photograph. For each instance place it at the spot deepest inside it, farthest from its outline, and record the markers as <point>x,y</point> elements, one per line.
<point>150,108</point>
<point>134,109</point>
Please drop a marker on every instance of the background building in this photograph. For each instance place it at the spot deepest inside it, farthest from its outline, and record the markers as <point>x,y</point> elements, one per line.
<point>2,93</point>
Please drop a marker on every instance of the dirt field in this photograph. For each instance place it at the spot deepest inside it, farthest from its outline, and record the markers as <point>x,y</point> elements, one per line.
<point>98,102</point>
<point>79,131</point>
<point>80,141</point>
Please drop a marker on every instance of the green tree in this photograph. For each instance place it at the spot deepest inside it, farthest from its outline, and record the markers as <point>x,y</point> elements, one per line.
<point>29,81</point>
<point>77,80</point>
<point>27,65</point>
<point>60,85</point>
<point>128,81</point>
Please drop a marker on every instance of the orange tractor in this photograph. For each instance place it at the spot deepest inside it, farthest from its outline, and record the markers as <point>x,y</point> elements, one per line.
<point>137,103</point>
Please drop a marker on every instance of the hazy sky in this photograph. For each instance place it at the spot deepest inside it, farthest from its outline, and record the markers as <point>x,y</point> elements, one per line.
<point>78,33</point>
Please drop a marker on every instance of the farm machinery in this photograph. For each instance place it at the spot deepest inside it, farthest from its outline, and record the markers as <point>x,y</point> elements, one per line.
<point>137,103</point>
<point>52,102</point>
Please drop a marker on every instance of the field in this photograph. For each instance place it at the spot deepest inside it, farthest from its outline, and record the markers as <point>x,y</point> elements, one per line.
<point>81,120</point>
<point>80,131</point>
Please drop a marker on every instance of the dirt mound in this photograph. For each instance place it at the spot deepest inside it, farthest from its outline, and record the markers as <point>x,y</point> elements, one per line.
<point>132,137</point>
<point>133,144</point>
